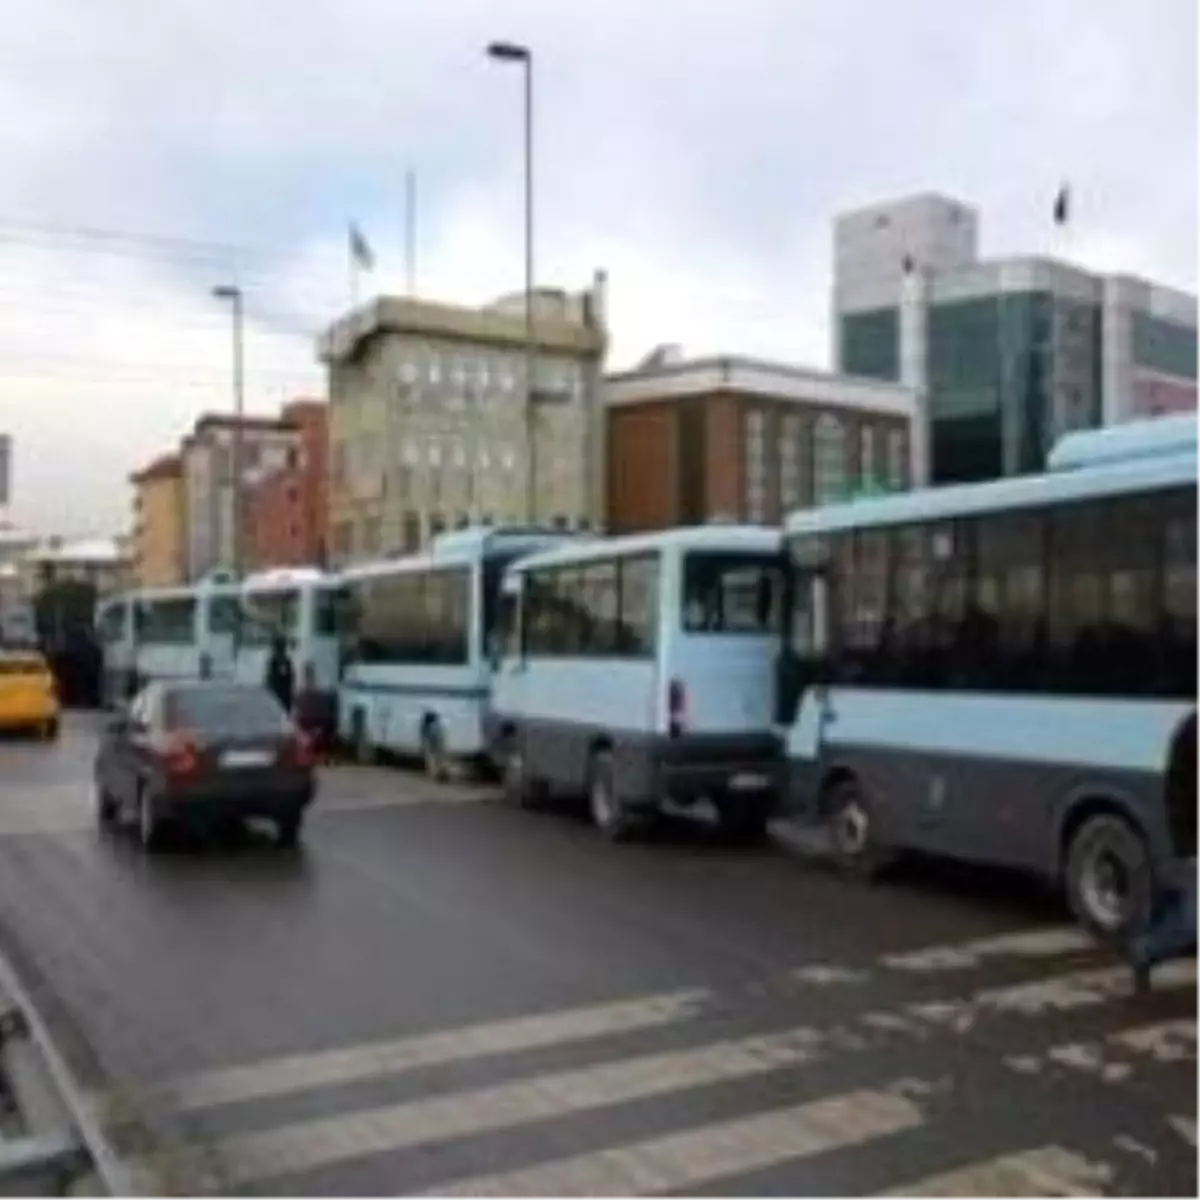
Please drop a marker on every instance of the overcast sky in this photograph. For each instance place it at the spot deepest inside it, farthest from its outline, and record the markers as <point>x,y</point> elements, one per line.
<point>697,151</point>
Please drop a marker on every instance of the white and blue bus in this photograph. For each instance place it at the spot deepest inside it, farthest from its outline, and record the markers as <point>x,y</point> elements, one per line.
<point>419,645</point>
<point>186,631</point>
<point>306,607</point>
<point>638,671</point>
<point>1005,672</point>
<point>118,650</point>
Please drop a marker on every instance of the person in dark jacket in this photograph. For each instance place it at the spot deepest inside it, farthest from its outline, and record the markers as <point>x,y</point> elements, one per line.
<point>280,676</point>
<point>1171,933</point>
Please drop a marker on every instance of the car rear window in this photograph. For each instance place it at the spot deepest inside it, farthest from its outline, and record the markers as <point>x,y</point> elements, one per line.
<point>225,710</point>
<point>26,665</point>
<point>728,592</point>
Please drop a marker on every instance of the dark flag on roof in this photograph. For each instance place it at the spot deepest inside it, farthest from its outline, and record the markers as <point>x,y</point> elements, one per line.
<point>1062,205</point>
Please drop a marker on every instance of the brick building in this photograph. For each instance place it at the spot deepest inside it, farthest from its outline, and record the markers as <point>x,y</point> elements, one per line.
<point>287,506</point>
<point>740,439</point>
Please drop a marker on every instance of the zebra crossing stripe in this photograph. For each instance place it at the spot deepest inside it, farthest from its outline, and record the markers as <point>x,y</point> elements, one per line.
<point>533,1031</point>
<point>958,956</point>
<point>1046,1171</point>
<point>1109,1059</point>
<point>1184,1126</point>
<point>309,1144</point>
<point>717,1150</point>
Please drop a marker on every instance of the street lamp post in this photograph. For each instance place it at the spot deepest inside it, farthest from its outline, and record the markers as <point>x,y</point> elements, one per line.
<point>233,294</point>
<point>511,52</point>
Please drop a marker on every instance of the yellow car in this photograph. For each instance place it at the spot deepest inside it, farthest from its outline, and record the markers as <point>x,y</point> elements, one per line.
<point>28,694</point>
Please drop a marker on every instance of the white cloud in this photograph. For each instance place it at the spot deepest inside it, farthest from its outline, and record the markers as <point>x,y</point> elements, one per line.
<point>696,152</point>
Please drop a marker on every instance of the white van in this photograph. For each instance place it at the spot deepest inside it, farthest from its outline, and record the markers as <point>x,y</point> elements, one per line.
<point>639,671</point>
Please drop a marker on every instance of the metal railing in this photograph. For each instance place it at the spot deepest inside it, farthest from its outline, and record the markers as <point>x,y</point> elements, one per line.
<point>51,1143</point>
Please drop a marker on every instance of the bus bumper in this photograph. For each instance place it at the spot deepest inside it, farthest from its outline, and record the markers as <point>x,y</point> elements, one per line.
<point>703,767</point>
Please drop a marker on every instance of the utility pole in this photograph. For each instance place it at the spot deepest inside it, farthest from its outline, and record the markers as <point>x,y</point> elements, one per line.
<point>233,294</point>
<point>511,52</point>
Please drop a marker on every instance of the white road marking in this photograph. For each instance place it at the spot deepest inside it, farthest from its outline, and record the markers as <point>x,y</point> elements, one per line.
<point>1046,1171</point>
<point>717,1150</point>
<point>1109,1059</point>
<point>1026,943</point>
<point>828,974</point>
<point>322,1141</point>
<point>326,1068</point>
<point>1184,1126</point>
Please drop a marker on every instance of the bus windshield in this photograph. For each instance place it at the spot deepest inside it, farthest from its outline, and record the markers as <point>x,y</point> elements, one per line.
<point>726,592</point>
<point>270,615</point>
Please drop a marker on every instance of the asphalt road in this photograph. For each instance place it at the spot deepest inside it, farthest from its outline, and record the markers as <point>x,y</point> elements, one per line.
<point>441,994</point>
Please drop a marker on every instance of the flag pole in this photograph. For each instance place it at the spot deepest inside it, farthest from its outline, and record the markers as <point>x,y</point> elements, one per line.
<point>410,230</point>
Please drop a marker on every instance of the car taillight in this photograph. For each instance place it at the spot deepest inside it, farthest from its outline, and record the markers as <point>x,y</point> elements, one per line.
<point>298,751</point>
<point>181,755</point>
<point>676,707</point>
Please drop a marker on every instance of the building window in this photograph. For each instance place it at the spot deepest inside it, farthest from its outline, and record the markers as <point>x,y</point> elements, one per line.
<point>867,467</point>
<point>897,474</point>
<point>411,537</point>
<point>829,459</point>
<point>755,464</point>
<point>343,538</point>
<point>790,434</point>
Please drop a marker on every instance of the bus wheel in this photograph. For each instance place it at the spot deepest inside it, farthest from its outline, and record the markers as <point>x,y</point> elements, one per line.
<point>1109,878</point>
<point>433,750</point>
<point>364,752</point>
<point>850,823</point>
<point>608,813</point>
<point>519,790</point>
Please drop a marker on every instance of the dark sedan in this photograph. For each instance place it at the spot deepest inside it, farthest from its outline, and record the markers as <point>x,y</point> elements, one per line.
<point>200,753</point>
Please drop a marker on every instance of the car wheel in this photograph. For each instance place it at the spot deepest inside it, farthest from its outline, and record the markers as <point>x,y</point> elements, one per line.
<point>608,812</point>
<point>149,827</point>
<point>107,807</point>
<point>287,831</point>
<point>433,751</point>
<point>1109,878</point>
<point>853,836</point>
<point>50,730</point>
<point>364,752</point>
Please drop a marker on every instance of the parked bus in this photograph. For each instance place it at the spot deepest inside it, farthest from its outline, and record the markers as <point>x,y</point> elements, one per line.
<point>418,660</point>
<point>305,606</point>
<point>186,631</point>
<point>637,672</point>
<point>1005,672</point>
<point>114,629</point>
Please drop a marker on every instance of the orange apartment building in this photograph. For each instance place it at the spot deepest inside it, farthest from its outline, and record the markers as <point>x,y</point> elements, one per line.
<point>287,508</point>
<point>738,439</point>
<point>159,523</point>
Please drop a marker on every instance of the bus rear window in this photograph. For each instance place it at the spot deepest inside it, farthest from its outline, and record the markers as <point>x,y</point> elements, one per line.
<point>727,592</point>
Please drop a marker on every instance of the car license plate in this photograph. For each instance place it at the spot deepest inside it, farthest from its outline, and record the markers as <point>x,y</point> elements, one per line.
<point>246,758</point>
<point>748,782</point>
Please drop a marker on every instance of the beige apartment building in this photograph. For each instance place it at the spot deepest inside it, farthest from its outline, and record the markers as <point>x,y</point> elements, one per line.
<point>427,423</point>
<point>159,523</point>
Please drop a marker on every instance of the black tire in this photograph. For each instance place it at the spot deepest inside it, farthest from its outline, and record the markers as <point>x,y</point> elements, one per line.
<point>287,831</point>
<point>608,812</point>
<point>50,730</point>
<point>107,808</point>
<point>364,752</point>
<point>519,790</point>
<point>149,826</point>
<point>1110,878</point>
<point>853,837</point>
<point>433,751</point>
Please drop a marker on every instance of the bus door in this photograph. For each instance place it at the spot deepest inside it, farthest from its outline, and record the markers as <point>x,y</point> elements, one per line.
<point>803,708</point>
<point>218,647</point>
<point>505,654</point>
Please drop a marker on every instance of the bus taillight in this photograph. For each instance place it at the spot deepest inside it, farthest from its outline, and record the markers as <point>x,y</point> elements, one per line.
<point>676,707</point>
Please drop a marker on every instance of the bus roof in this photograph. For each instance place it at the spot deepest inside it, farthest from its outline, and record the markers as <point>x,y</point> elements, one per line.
<point>280,578</point>
<point>1122,443</point>
<point>465,546</point>
<point>1024,491</point>
<point>753,539</point>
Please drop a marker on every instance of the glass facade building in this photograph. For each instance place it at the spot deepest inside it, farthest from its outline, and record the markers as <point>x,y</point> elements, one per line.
<point>1008,374</point>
